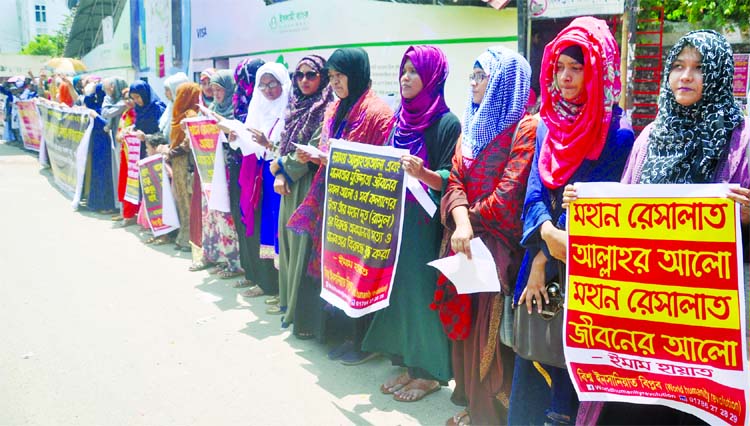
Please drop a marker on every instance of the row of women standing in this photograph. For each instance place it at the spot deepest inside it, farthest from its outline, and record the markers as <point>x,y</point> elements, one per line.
<point>499,176</point>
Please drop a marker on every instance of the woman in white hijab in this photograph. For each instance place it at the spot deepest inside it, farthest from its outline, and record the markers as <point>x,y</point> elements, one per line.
<point>259,204</point>
<point>170,89</point>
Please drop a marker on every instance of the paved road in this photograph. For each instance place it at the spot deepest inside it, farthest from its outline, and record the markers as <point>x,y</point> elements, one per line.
<point>98,329</point>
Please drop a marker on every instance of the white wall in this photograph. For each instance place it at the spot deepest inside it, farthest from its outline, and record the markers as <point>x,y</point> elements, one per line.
<point>18,25</point>
<point>112,59</point>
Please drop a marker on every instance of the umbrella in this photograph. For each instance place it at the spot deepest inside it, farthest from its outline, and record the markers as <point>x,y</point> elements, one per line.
<point>68,66</point>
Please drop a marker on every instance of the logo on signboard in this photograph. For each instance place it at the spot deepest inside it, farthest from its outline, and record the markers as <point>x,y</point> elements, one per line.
<point>292,21</point>
<point>537,7</point>
<point>274,23</point>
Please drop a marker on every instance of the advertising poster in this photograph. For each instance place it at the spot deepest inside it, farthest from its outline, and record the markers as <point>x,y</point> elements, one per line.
<point>739,83</point>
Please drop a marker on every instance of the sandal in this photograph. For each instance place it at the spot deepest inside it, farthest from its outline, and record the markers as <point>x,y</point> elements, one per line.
<point>199,266</point>
<point>460,419</point>
<point>276,310</point>
<point>227,274</point>
<point>219,267</point>
<point>253,291</point>
<point>243,283</point>
<point>273,300</point>
<point>416,390</point>
<point>395,383</point>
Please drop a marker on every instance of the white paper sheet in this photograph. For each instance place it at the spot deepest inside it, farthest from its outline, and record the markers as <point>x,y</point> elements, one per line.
<point>219,198</point>
<point>312,150</point>
<point>477,275</point>
<point>244,138</point>
<point>418,191</point>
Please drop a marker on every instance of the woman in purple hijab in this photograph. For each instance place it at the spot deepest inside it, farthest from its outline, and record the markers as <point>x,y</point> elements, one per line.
<point>408,330</point>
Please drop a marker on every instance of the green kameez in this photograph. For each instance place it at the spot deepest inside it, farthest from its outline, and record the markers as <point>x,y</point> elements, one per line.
<point>294,248</point>
<point>408,330</point>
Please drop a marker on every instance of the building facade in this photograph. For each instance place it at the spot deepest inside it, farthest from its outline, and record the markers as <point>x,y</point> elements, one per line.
<point>23,20</point>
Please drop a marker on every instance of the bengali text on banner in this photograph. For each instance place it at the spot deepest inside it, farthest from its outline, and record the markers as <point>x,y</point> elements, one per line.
<point>655,299</point>
<point>65,144</point>
<point>207,146</point>
<point>31,125</point>
<point>161,210</point>
<point>361,226</point>
<point>133,153</point>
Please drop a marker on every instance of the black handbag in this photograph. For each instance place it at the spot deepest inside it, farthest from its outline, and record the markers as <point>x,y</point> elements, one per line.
<point>539,337</point>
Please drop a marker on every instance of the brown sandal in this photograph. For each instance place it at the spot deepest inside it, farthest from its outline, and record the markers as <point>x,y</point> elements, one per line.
<point>390,386</point>
<point>253,291</point>
<point>402,395</point>
<point>459,419</point>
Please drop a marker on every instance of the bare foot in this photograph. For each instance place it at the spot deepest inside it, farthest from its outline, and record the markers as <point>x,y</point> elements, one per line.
<point>416,390</point>
<point>395,383</point>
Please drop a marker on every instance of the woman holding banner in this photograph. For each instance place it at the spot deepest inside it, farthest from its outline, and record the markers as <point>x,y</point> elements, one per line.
<point>426,127</point>
<point>187,96</point>
<point>699,136</point>
<point>259,204</point>
<point>112,108</point>
<point>483,199</point>
<point>582,137</point>
<point>358,115</point>
<point>220,245</point>
<point>303,120</point>
<point>101,194</point>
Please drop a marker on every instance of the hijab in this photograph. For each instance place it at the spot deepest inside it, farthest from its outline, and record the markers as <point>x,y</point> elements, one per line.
<point>147,116</point>
<point>577,130</point>
<point>244,76</point>
<point>119,85</point>
<point>186,98</point>
<point>266,115</point>
<point>94,97</point>
<point>417,114</point>
<point>355,64</point>
<point>504,102</point>
<point>225,79</point>
<point>65,93</point>
<point>304,114</point>
<point>171,82</point>
<point>206,74</point>
<point>687,144</point>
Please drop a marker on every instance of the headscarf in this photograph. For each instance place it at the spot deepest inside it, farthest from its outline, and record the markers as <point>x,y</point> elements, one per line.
<point>304,114</point>
<point>94,97</point>
<point>417,114</point>
<point>355,64</point>
<point>266,115</point>
<point>225,79</point>
<point>580,135</point>
<point>65,95</point>
<point>187,96</point>
<point>504,102</point>
<point>171,82</point>
<point>206,74</point>
<point>687,143</point>
<point>244,76</point>
<point>119,85</point>
<point>147,116</point>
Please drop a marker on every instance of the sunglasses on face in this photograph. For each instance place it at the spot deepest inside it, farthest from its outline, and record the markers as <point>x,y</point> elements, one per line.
<point>310,75</point>
<point>477,77</point>
<point>271,85</point>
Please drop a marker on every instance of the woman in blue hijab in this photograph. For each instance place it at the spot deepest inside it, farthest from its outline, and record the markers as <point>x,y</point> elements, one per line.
<point>148,107</point>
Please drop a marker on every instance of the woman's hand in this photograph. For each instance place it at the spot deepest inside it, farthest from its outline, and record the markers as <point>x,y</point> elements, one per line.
<point>280,185</point>
<point>260,138</point>
<point>274,167</point>
<point>462,235</point>
<point>556,239</point>
<point>413,165</point>
<point>302,156</point>
<point>232,136</point>
<point>535,290</point>
<point>140,135</point>
<point>569,195</point>
<point>163,149</point>
<point>742,197</point>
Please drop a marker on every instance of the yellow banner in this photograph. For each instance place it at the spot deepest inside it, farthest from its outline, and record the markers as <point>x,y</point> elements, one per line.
<point>701,307</point>
<point>699,219</point>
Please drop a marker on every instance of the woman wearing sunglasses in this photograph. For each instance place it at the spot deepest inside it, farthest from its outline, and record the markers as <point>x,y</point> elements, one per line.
<point>303,120</point>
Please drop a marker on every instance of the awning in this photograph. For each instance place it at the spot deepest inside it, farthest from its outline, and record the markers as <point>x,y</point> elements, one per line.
<point>85,33</point>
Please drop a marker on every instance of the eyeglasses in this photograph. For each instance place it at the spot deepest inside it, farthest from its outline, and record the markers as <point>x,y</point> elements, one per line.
<point>310,75</point>
<point>477,77</point>
<point>271,85</point>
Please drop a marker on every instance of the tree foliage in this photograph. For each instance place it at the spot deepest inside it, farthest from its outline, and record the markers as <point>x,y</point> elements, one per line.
<point>45,44</point>
<point>715,14</point>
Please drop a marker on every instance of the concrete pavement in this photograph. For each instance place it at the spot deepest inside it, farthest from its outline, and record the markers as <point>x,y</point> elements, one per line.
<point>97,328</point>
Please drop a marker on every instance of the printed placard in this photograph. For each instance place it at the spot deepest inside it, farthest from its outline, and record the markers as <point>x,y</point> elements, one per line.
<point>655,299</point>
<point>133,152</point>
<point>161,210</point>
<point>31,125</point>
<point>362,225</point>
